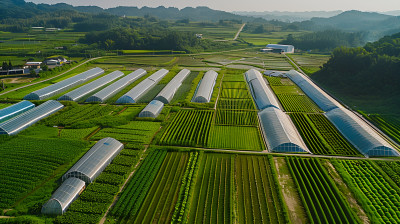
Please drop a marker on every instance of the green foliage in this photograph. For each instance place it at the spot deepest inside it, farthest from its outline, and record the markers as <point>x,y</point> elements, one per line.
<point>235,137</point>
<point>388,124</point>
<point>392,169</point>
<point>236,117</point>
<point>298,103</point>
<point>318,192</point>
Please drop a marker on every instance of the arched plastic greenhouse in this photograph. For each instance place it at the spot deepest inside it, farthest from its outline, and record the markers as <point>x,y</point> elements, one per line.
<point>321,98</point>
<point>205,88</point>
<point>15,109</point>
<point>279,132</point>
<point>62,198</point>
<point>360,134</point>
<point>64,85</point>
<point>261,92</point>
<point>116,87</point>
<point>169,91</point>
<point>153,109</point>
<point>143,87</point>
<point>95,160</point>
<point>82,91</point>
<point>30,117</point>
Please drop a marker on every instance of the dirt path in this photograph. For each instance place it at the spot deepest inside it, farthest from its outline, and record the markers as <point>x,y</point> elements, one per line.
<point>49,78</point>
<point>240,30</point>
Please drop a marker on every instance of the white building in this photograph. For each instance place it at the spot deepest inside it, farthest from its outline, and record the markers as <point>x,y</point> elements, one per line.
<point>283,48</point>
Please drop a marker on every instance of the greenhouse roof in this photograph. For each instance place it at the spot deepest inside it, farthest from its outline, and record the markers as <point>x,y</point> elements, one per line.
<point>15,109</point>
<point>116,87</point>
<point>261,92</point>
<point>320,97</point>
<point>360,134</point>
<point>143,87</point>
<point>279,132</point>
<point>64,85</point>
<point>26,119</point>
<point>95,160</point>
<point>63,196</point>
<point>169,91</point>
<point>82,91</point>
<point>153,109</point>
<point>206,87</point>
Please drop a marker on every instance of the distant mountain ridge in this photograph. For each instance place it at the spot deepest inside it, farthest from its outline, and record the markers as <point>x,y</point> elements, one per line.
<point>289,16</point>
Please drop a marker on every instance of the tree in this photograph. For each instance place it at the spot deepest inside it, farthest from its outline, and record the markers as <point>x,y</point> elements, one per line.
<point>10,65</point>
<point>5,66</point>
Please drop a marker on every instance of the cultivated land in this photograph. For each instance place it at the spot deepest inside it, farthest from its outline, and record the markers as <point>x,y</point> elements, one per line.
<point>197,163</point>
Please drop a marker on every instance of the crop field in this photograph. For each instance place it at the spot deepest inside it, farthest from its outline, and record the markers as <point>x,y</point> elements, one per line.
<point>298,103</point>
<point>388,124</point>
<point>76,133</point>
<point>213,193</point>
<point>392,169</point>
<point>310,63</point>
<point>277,81</point>
<point>258,198</point>
<point>27,162</point>
<point>319,194</point>
<point>321,136</point>
<point>236,117</point>
<point>235,104</point>
<point>377,193</point>
<point>188,128</point>
<point>235,137</point>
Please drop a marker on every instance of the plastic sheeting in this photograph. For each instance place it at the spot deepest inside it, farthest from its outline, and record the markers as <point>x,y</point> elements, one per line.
<point>153,109</point>
<point>261,92</point>
<point>206,87</point>
<point>169,91</point>
<point>15,109</point>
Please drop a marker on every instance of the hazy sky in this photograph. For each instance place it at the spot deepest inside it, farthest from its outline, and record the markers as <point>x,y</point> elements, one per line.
<point>247,5</point>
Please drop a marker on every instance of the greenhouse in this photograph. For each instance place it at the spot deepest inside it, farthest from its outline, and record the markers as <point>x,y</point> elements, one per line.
<point>64,85</point>
<point>322,99</point>
<point>14,110</point>
<point>153,109</point>
<point>116,87</point>
<point>279,132</point>
<point>143,87</point>
<point>82,91</point>
<point>261,92</point>
<point>30,117</point>
<point>205,88</point>
<point>360,134</point>
<point>283,48</point>
<point>63,197</point>
<point>169,91</point>
<point>90,166</point>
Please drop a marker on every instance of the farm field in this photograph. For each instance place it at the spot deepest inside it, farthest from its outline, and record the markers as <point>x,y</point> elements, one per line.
<point>235,137</point>
<point>321,198</point>
<point>297,103</point>
<point>390,125</point>
<point>309,63</point>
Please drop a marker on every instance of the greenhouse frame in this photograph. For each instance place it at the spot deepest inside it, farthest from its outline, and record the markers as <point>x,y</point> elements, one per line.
<point>153,109</point>
<point>205,88</point>
<point>30,117</point>
<point>320,97</point>
<point>279,132</point>
<point>90,166</point>
<point>261,92</point>
<point>142,88</point>
<point>15,109</point>
<point>168,92</point>
<point>116,87</point>
<point>82,91</point>
<point>63,197</point>
<point>360,134</point>
<point>64,85</point>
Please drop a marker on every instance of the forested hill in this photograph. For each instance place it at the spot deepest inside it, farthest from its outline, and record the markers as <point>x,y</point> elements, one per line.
<point>370,72</point>
<point>22,9</point>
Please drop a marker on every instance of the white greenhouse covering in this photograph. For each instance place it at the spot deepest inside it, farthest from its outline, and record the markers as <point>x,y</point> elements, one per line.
<point>90,166</point>
<point>284,48</point>
<point>153,109</point>
<point>322,99</point>
<point>169,91</point>
<point>116,87</point>
<point>64,85</point>
<point>143,87</point>
<point>279,132</point>
<point>261,92</point>
<point>15,109</point>
<point>275,73</point>
<point>26,119</point>
<point>205,88</point>
<point>63,197</point>
<point>82,91</point>
<point>360,134</point>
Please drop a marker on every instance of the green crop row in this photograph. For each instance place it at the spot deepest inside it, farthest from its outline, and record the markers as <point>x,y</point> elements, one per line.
<point>379,198</point>
<point>236,117</point>
<point>389,124</point>
<point>136,190</point>
<point>235,137</point>
<point>297,103</point>
<point>392,169</point>
<point>233,85</point>
<point>235,93</point>
<point>188,128</point>
<point>319,194</point>
<point>235,104</point>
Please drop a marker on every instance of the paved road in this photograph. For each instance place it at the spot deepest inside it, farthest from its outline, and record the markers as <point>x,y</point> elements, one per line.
<point>240,30</point>
<point>49,78</point>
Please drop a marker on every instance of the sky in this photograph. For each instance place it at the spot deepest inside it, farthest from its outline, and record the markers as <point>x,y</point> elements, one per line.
<point>246,5</point>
